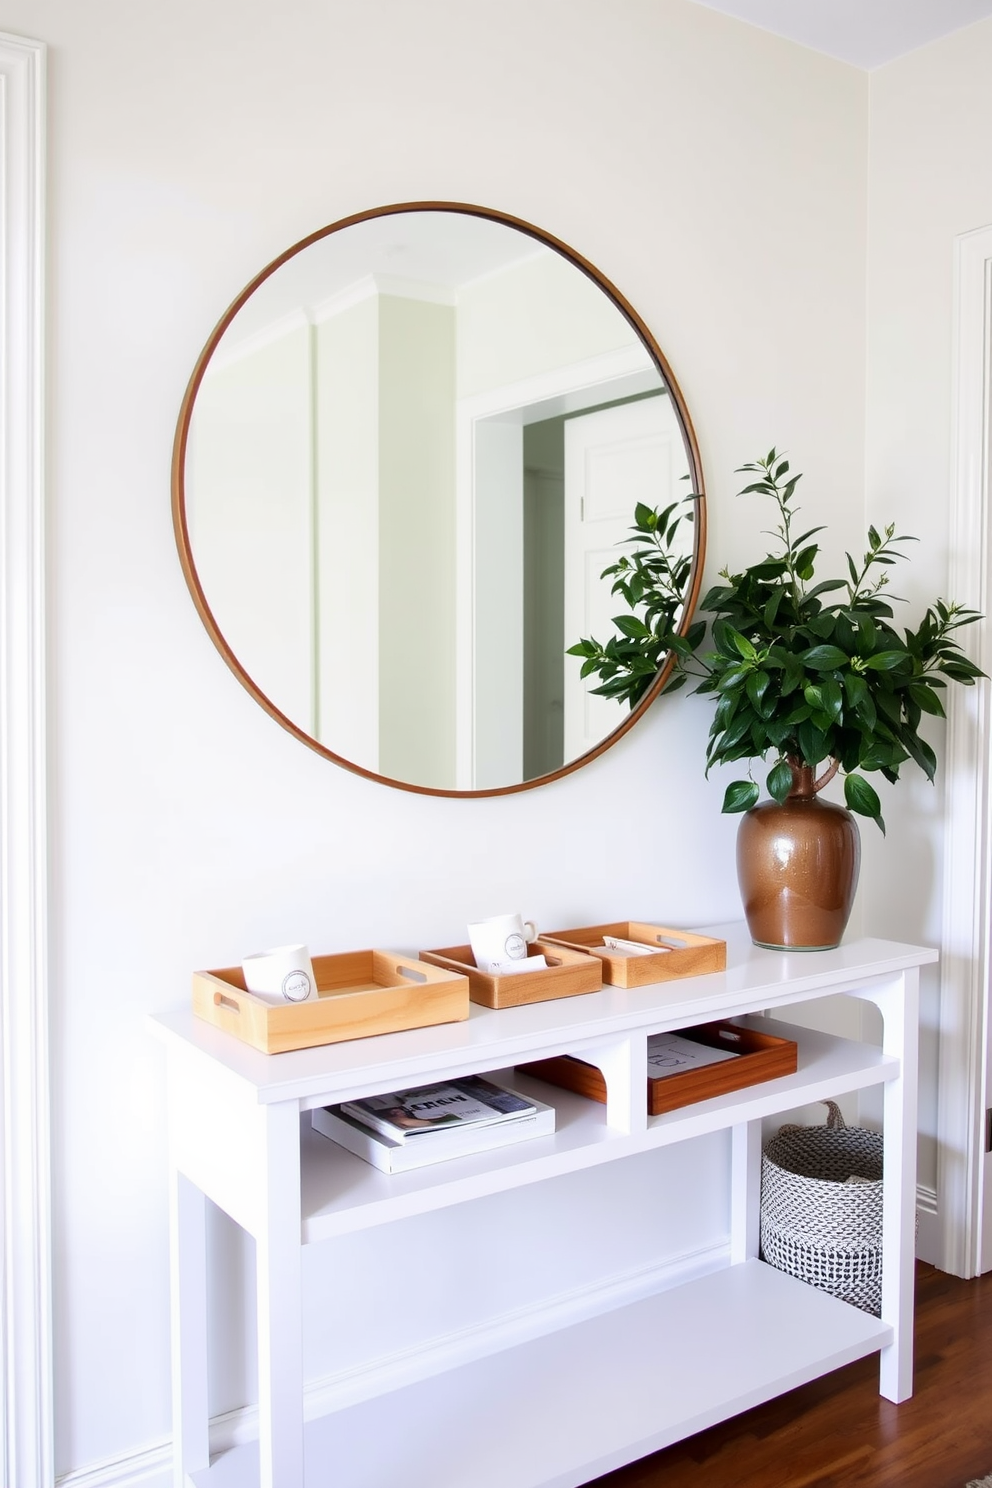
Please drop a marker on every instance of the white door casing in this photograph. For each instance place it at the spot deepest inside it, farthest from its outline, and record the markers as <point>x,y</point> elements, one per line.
<point>964,1169</point>
<point>614,459</point>
<point>490,418</point>
<point>26,1426</point>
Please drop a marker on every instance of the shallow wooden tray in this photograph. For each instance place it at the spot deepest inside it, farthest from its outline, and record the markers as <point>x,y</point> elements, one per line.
<point>763,1056</point>
<point>568,973</point>
<point>686,953</point>
<point>360,994</point>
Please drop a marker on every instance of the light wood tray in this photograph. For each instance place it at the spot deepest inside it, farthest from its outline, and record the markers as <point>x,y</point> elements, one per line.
<point>361,993</point>
<point>761,1056</point>
<point>569,972</point>
<point>688,954</point>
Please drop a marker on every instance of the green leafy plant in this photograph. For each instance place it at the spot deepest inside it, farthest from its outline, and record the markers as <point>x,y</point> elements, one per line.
<point>653,581</point>
<point>810,672</point>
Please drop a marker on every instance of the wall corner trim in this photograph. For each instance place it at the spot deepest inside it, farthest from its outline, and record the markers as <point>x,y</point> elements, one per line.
<point>26,1391</point>
<point>965,961</point>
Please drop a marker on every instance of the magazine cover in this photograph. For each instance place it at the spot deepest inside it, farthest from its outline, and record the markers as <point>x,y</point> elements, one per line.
<point>472,1101</point>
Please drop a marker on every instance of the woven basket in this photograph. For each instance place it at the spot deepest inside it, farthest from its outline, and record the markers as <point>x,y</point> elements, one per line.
<point>821,1208</point>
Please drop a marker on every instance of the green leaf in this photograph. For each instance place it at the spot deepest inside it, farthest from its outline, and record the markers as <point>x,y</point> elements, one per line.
<point>833,699</point>
<point>887,661</point>
<point>779,781</point>
<point>742,643</point>
<point>826,587</point>
<point>757,686</point>
<point>863,798</point>
<point>926,699</point>
<point>867,635</point>
<point>733,677</point>
<point>629,625</point>
<point>856,688</point>
<point>741,796</point>
<point>825,658</point>
<point>805,561</point>
<point>812,743</point>
<point>792,675</point>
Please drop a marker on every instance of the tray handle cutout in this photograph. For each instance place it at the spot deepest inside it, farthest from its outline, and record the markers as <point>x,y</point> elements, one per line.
<point>674,941</point>
<point>411,973</point>
<point>730,1035</point>
<point>226,1002</point>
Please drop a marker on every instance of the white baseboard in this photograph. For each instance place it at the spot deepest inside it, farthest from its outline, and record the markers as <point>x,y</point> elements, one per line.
<point>929,1234</point>
<point>152,1466</point>
<point>149,1468</point>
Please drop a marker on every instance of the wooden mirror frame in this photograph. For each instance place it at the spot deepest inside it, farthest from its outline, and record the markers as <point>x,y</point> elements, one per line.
<point>179,489</point>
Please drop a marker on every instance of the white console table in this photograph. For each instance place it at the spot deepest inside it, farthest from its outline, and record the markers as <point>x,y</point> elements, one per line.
<point>539,1415</point>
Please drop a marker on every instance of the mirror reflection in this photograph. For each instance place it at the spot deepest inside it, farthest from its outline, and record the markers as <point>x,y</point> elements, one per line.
<point>409,455</point>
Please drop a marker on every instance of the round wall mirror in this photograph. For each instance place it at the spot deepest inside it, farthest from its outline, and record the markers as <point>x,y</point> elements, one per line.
<point>404,459</point>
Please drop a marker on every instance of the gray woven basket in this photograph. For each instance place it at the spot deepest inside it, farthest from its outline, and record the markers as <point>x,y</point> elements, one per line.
<point>821,1208</point>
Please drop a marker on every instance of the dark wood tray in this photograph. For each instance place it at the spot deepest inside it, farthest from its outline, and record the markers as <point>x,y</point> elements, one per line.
<point>763,1056</point>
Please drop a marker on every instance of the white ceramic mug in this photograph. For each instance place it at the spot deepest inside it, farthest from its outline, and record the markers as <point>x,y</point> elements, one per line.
<point>500,939</point>
<point>281,975</point>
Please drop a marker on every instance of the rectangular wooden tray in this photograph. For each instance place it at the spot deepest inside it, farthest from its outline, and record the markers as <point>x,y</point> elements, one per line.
<point>568,973</point>
<point>687,953</point>
<point>763,1056</point>
<point>360,994</point>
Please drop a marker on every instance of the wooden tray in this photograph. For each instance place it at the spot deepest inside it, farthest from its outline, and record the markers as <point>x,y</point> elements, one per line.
<point>688,954</point>
<point>568,973</point>
<point>360,994</point>
<point>763,1056</point>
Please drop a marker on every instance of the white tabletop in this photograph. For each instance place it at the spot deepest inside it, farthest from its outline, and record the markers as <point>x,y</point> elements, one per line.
<point>489,1038</point>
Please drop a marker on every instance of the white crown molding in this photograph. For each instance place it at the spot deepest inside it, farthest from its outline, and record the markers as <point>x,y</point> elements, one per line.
<point>965,938</point>
<point>415,289</point>
<point>303,316</point>
<point>336,304</point>
<point>227,355</point>
<point>26,1361</point>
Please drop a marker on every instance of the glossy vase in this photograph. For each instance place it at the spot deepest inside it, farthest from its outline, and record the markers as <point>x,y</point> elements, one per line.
<point>797,866</point>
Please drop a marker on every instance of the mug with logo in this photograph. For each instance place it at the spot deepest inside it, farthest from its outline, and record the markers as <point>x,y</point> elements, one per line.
<point>281,975</point>
<point>501,941</point>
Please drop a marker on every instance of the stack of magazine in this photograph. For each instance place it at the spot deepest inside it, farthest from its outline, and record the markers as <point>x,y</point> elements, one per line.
<point>411,1128</point>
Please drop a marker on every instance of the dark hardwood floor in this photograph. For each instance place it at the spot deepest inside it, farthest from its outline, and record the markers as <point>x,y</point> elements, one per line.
<point>839,1433</point>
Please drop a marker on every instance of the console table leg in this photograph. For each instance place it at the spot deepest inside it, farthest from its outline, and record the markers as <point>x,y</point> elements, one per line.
<point>745,1191</point>
<point>624,1066</point>
<point>278,1258</point>
<point>899,1005</point>
<point>190,1406</point>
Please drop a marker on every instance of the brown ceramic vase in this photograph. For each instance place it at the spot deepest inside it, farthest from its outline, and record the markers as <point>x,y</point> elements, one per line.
<point>797,866</point>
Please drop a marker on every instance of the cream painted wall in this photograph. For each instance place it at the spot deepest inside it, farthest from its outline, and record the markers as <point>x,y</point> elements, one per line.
<point>719,181</point>
<point>931,141</point>
<point>346,416</point>
<point>416,540</point>
<point>535,316</point>
<point>250,436</point>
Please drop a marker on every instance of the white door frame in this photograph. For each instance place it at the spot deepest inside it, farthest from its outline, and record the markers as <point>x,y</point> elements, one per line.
<point>27,1421</point>
<point>562,390</point>
<point>965,956</point>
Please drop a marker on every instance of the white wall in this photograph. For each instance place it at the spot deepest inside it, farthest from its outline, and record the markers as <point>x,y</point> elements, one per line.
<point>250,436</point>
<point>533,317</point>
<point>931,141</point>
<point>346,416</point>
<point>416,541</point>
<point>717,176</point>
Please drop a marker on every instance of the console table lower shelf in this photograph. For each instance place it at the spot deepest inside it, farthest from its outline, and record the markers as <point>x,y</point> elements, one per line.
<point>563,1409</point>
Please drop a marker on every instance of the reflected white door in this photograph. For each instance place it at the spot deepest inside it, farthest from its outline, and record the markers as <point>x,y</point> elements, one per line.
<point>613,459</point>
